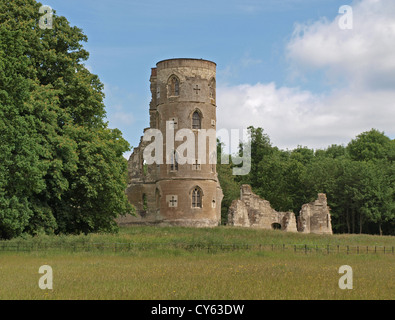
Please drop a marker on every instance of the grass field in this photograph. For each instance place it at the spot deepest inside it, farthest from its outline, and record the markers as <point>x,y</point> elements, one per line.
<point>175,273</point>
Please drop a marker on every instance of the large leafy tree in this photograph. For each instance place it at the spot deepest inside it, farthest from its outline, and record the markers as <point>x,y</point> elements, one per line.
<point>371,145</point>
<point>61,167</point>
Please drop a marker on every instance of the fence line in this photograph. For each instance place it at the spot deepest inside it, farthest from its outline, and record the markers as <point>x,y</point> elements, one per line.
<point>210,248</point>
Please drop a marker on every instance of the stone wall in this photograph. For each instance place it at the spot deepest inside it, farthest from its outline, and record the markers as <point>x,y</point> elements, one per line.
<point>252,211</point>
<point>315,217</point>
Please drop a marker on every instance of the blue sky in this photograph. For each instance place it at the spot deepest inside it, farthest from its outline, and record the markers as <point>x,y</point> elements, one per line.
<point>304,88</point>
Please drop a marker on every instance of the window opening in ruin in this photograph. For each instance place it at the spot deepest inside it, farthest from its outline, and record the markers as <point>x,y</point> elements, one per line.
<point>276,226</point>
<point>196,198</point>
<point>196,121</point>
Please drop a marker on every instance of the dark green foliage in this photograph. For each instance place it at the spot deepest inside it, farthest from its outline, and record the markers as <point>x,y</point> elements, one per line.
<point>230,187</point>
<point>61,167</point>
<point>359,180</point>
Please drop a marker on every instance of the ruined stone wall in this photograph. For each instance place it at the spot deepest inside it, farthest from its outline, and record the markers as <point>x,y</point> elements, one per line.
<point>315,217</point>
<point>252,211</point>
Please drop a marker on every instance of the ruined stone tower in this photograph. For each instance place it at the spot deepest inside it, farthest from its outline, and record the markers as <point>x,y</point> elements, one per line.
<point>171,192</point>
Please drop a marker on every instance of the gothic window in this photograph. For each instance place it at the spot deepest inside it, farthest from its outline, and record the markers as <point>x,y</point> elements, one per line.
<point>196,198</point>
<point>173,86</point>
<point>174,161</point>
<point>196,121</point>
<point>176,87</point>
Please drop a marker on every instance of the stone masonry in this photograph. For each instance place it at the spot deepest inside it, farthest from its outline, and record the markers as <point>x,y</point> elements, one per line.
<point>168,192</point>
<point>252,211</point>
<point>315,217</point>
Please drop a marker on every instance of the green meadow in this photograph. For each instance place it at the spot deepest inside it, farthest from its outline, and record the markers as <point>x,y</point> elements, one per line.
<point>186,263</point>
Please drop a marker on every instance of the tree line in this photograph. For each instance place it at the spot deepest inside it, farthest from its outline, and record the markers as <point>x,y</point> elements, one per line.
<point>358,179</point>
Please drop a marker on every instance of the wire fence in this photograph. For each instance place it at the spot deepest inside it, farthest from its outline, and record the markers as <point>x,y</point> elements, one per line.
<point>202,247</point>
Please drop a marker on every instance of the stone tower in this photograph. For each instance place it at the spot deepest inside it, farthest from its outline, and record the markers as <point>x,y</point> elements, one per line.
<point>172,192</point>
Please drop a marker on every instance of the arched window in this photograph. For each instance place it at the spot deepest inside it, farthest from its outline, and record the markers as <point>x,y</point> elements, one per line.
<point>196,121</point>
<point>174,161</point>
<point>196,198</point>
<point>173,86</point>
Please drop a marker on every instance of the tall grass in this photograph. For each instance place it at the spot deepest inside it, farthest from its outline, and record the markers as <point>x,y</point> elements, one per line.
<point>241,275</point>
<point>205,236</point>
<point>161,272</point>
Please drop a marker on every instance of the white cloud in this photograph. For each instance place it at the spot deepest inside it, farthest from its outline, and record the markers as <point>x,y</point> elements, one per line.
<point>293,117</point>
<point>361,60</point>
<point>362,55</point>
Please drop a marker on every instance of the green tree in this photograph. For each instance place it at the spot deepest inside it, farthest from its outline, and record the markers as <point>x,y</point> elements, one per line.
<point>230,187</point>
<point>371,145</point>
<point>261,148</point>
<point>61,167</point>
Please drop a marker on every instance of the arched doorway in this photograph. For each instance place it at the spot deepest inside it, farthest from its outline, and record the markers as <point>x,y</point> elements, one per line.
<point>276,226</point>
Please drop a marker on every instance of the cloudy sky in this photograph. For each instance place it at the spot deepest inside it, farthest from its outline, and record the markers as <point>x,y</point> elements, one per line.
<point>297,68</point>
